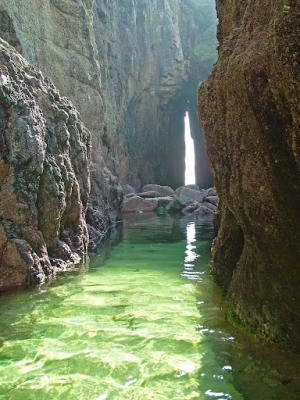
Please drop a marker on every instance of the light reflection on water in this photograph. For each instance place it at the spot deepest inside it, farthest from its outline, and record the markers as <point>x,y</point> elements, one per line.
<point>146,322</point>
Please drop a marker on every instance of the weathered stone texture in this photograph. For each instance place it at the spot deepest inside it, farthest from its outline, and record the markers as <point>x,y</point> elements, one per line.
<point>161,190</point>
<point>249,109</point>
<point>127,66</point>
<point>44,175</point>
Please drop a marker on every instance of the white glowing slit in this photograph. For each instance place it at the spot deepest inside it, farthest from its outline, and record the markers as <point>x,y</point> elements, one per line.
<point>189,153</point>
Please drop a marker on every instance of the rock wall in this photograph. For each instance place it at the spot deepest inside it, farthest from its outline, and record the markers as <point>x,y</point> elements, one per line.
<point>44,175</point>
<point>124,65</point>
<point>130,68</point>
<point>251,119</point>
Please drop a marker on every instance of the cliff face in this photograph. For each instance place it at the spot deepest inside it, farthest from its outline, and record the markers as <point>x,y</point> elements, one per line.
<point>131,69</point>
<point>44,175</point>
<point>249,109</point>
<point>121,63</point>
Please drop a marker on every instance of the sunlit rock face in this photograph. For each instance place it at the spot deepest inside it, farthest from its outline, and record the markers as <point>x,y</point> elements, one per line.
<point>251,119</point>
<point>44,175</point>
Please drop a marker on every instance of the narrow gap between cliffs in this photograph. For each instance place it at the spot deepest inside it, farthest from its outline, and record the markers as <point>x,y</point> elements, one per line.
<point>189,178</point>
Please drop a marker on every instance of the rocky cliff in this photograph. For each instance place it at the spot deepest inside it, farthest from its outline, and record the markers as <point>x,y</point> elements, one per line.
<point>44,175</point>
<point>129,67</point>
<point>249,109</point>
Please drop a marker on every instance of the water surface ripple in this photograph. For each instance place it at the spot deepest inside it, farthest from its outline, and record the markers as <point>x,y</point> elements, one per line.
<point>145,322</point>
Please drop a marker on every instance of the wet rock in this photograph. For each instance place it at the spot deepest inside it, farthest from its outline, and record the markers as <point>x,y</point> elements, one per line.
<point>105,202</point>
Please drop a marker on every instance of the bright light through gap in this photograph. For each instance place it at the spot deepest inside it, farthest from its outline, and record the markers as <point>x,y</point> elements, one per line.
<point>189,153</point>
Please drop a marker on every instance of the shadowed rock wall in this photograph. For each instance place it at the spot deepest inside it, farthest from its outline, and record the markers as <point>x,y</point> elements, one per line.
<point>249,109</point>
<point>44,175</point>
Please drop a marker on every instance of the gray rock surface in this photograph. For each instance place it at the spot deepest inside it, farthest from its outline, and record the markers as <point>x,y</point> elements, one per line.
<point>138,204</point>
<point>149,193</point>
<point>203,211</point>
<point>190,194</point>
<point>161,190</point>
<point>213,200</point>
<point>127,189</point>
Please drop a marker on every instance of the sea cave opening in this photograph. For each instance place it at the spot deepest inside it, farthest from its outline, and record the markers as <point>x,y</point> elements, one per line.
<point>189,176</point>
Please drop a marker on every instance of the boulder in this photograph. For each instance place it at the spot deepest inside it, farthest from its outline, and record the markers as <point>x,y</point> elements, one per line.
<point>210,192</point>
<point>127,189</point>
<point>150,193</point>
<point>162,190</point>
<point>190,207</point>
<point>178,190</point>
<point>187,194</point>
<point>136,204</point>
<point>131,195</point>
<point>176,205</point>
<point>213,200</point>
<point>211,206</point>
<point>164,201</point>
<point>203,211</point>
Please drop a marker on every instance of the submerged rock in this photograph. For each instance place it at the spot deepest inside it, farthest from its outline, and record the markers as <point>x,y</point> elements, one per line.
<point>249,109</point>
<point>44,175</point>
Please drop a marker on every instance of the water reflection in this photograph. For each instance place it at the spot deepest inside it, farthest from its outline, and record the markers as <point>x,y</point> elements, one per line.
<point>190,254</point>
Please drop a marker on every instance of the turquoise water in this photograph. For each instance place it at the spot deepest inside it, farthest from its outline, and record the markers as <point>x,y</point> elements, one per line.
<point>144,321</point>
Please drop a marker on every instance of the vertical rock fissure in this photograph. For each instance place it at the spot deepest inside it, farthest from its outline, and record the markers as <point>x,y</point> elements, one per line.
<point>189,178</point>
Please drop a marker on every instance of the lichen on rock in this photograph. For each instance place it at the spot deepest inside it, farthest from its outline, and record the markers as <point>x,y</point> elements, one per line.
<point>44,175</point>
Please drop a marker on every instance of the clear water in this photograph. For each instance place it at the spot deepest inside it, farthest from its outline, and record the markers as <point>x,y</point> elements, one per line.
<point>144,321</point>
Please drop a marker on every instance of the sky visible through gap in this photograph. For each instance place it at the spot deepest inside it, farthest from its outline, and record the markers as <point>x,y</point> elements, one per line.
<point>189,153</point>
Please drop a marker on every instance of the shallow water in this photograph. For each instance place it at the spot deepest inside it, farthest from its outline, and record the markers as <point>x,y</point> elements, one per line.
<point>145,321</point>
